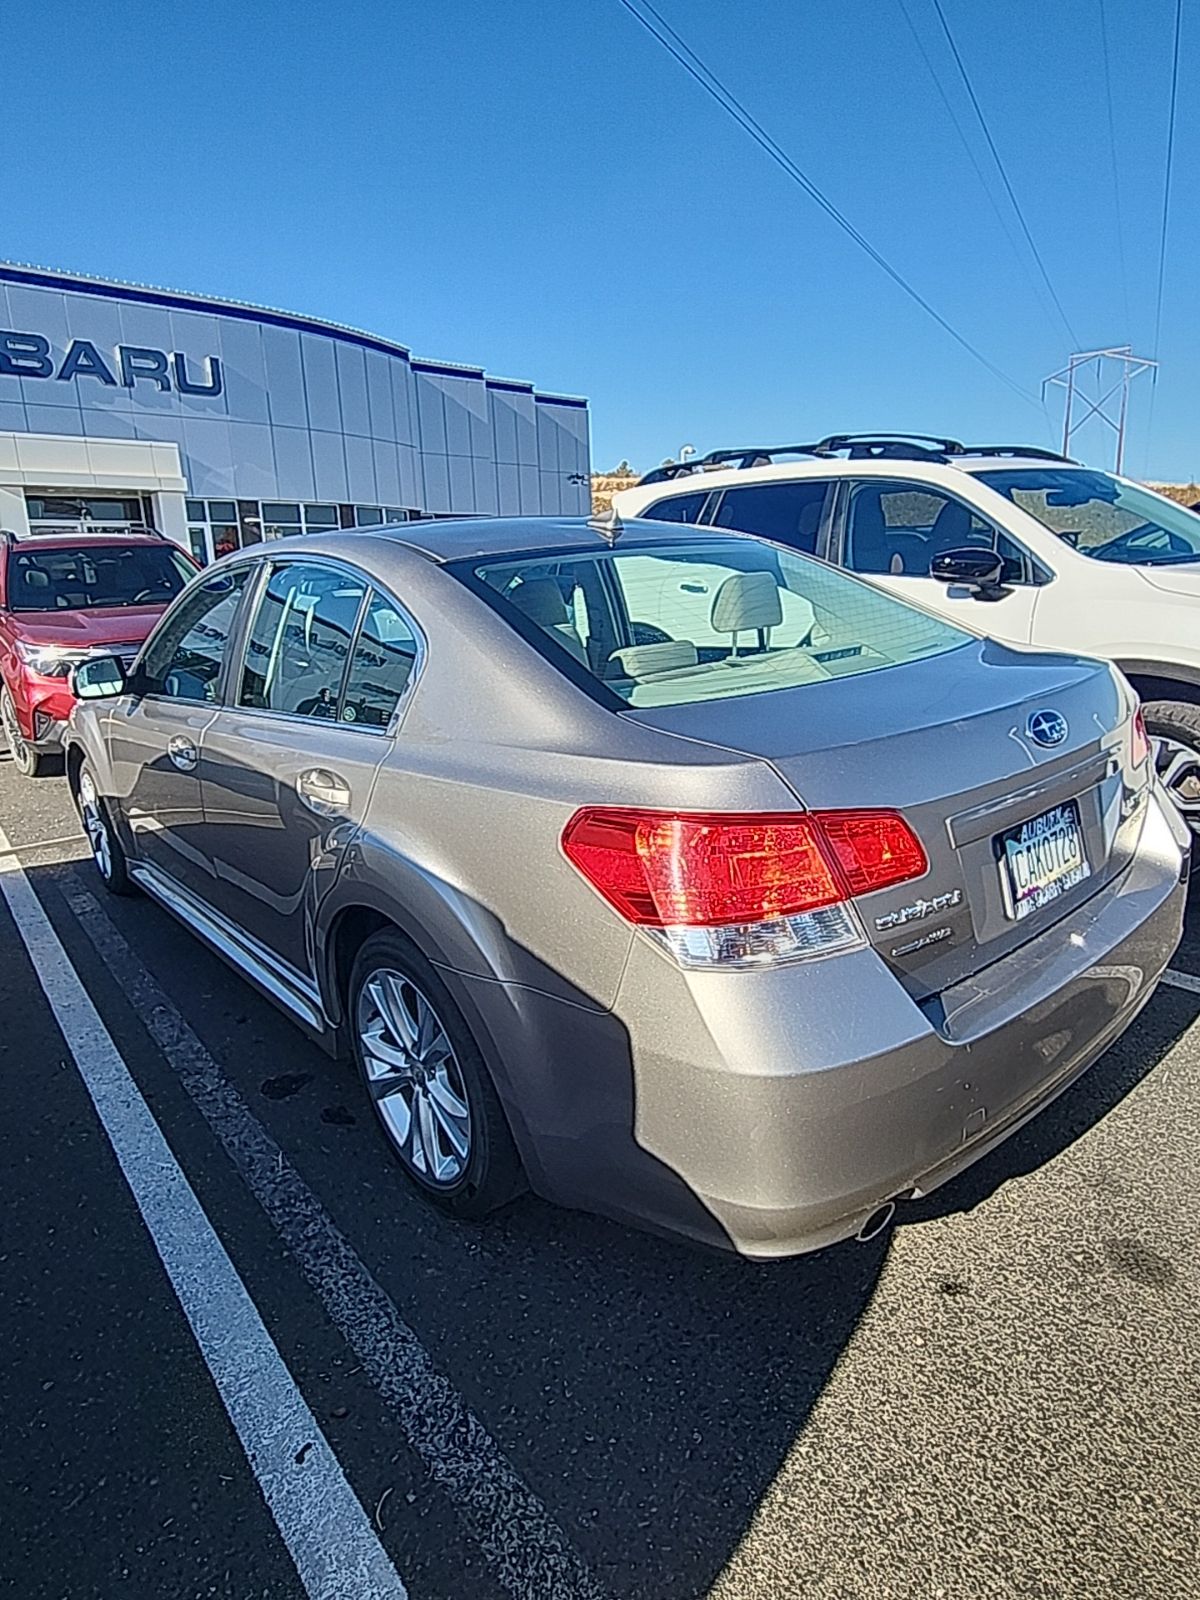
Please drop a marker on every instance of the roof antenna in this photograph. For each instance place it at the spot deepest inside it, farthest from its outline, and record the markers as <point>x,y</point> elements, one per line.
<point>609,526</point>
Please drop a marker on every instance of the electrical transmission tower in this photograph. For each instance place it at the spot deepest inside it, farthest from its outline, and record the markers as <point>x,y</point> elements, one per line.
<point>1101,364</point>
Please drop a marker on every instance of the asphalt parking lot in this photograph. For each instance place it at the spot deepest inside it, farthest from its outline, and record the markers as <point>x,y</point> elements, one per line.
<point>1001,1397</point>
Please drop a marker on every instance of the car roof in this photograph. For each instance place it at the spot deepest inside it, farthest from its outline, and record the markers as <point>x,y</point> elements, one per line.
<point>72,541</point>
<point>477,538</point>
<point>922,471</point>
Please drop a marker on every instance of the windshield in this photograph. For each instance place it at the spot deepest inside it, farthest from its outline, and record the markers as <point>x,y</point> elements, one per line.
<point>672,624</point>
<point>1102,517</point>
<point>90,576</point>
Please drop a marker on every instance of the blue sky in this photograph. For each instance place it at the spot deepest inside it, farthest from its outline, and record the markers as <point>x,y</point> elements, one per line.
<point>535,186</point>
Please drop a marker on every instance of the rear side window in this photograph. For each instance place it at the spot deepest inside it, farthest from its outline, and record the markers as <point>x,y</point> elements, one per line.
<point>709,620</point>
<point>385,654</point>
<point>789,513</point>
<point>679,508</point>
<point>299,643</point>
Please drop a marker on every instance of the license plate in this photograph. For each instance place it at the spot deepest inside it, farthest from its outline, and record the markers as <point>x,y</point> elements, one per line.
<point>1042,859</point>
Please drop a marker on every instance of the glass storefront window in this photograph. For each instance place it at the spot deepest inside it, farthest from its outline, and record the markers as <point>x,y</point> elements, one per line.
<point>281,512</point>
<point>196,511</point>
<point>396,514</point>
<point>367,516</point>
<point>222,511</point>
<point>320,516</point>
<point>224,537</point>
<point>198,541</point>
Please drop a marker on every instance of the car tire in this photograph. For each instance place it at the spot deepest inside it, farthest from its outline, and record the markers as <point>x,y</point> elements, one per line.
<point>1174,727</point>
<point>107,851</point>
<point>30,763</point>
<point>422,1071</point>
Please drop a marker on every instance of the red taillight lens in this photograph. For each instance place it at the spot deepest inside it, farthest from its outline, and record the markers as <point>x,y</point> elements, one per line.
<point>694,869</point>
<point>1139,743</point>
<point>874,849</point>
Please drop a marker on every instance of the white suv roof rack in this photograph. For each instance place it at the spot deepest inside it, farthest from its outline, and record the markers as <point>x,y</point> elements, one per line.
<point>855,447</point>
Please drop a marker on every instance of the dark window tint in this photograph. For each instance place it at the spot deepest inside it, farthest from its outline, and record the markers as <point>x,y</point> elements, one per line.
<point>222,511</point>
<point>297,650</point>
<point>368,516</point>
<point>787,512</point>
<point>898,528</point>
<point>384,657</point>
<point>321,516</point>
<point>280,512</point>
<point>96,575</point>
<point>679,508</point>
<point>184,657</point>
<point>195,510</point>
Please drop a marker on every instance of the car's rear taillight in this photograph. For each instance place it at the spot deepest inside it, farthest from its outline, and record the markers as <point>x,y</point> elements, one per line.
<point>1139,743</point>
<point>723,888</point>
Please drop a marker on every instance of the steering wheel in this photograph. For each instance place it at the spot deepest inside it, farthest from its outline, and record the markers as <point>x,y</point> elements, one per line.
<point>647,633</point>
<point>1176,544</point>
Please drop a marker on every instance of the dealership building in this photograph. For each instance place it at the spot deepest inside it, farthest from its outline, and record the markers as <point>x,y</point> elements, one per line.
<point>223,424</point>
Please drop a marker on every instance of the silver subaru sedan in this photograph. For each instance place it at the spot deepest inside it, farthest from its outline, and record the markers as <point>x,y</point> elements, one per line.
<point>666,872</point>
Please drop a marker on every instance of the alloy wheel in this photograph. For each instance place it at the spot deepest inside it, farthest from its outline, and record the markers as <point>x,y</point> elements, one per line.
<point>95,825</point>
<point>414,1078</point>
<point>22,753</point>
<point>1178,767</point>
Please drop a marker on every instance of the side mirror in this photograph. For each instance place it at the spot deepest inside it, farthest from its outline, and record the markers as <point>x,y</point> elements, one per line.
<point>972,567</point>
<point>101,678</point>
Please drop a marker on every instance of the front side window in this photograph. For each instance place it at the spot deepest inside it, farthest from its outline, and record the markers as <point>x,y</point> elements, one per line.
<point>789,513</point>
<point>300,640</point>
<point>385,654</point>
<point>184,657</point>
<point>898,527</point>
<point>95,576</point>
<point>707,620</point>
<point>1100,516</point>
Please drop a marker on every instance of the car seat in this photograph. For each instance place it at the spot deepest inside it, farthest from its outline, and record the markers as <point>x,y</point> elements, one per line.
<point>747,602</point>
<point>540,599</point>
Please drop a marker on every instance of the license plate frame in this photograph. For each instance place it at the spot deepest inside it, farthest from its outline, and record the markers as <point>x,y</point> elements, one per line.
<point>1042,859</point>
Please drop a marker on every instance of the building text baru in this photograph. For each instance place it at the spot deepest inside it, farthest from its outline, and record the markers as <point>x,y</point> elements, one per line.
<point>29,355</point>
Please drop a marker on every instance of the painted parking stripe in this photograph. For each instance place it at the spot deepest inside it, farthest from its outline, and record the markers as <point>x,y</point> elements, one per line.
<point>326,1531</point>
<point>1182,980</point>
<point>531,1555</point>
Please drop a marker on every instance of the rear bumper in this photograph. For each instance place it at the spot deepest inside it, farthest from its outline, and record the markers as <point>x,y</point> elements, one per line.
<point>773,1112</point>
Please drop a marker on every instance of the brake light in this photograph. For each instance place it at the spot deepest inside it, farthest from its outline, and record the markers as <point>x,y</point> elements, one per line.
<point>1139,743</point>
<point>721,887</point>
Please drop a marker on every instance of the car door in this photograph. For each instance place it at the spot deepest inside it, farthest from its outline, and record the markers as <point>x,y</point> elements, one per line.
<point>155,734</point>
<point>290,760</point>
<point>890,530</point>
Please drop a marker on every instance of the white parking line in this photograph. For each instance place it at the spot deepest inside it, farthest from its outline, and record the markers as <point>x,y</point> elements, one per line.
<point>1181,980</point>
<point>531,1555</point>
<point>327,1533</point>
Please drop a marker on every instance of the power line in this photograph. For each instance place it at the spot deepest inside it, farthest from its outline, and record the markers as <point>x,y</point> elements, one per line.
<point>1166,211</point>
<point>1166,205</point>
<point>971,156</point>
<point>1001,169</point>
<point>1112,147</point>
<point>687,58</point>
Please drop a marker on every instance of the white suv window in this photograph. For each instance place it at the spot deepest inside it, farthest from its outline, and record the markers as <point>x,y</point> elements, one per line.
<point>789,513</point>
<point>898,526</point>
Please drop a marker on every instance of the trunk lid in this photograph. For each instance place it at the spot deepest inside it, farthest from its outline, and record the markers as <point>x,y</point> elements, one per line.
<point>947,743</point>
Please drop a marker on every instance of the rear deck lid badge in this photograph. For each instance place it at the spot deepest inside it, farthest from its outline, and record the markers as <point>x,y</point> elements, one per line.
<point>918,909</point>
<point>1046,727</point>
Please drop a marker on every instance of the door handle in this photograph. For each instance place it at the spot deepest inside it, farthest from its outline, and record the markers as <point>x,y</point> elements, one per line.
<point>183,752</point>
<point>325,793</point>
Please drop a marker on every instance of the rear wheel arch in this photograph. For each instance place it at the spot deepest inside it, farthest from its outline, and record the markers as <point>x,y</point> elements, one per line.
<point>1159,684</point>
<point>74,766</point>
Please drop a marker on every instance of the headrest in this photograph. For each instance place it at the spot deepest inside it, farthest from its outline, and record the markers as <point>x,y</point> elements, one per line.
<point>33,579</point>
<point>540,599</point>
<point>951,527</point>
<point>747,600</point>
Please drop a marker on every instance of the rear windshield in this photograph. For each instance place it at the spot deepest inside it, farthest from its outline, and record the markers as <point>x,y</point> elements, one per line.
<point>708,620</point>
<point>92,576</point>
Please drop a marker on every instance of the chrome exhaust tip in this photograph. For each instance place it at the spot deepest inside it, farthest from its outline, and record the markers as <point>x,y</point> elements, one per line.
<point>876,1222</point>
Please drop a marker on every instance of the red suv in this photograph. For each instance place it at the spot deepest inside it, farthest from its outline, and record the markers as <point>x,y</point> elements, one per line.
<point>65,597</point>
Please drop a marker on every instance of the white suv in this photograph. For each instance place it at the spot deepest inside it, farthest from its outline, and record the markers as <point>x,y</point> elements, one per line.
<point>1010,540</point>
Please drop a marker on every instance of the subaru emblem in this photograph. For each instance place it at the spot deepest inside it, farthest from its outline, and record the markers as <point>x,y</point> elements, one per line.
<point>1046,727</point>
